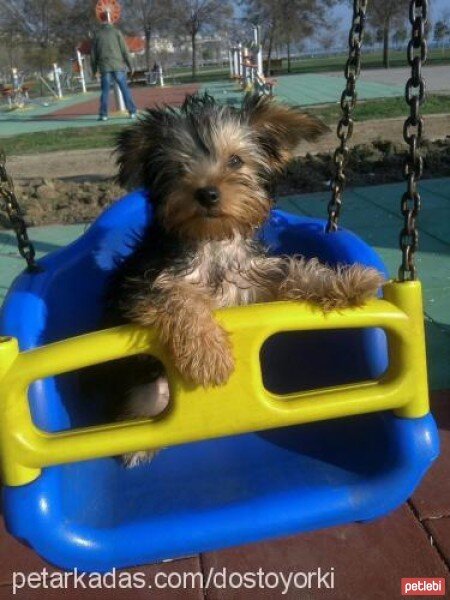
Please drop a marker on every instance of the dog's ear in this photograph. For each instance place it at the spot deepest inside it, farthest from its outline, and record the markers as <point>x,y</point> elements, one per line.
<point>137,147</point>
<point>280,128</point>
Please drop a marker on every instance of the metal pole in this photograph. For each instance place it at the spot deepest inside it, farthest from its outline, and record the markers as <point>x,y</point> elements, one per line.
<point>120,104</point>
<point>49,87</point>
<point>81,70</point>
<point>235,62</point>
<point>230,60</point>
<point>160,76</point>
<point>239,61</point>
<point>255,35</point>
<point>15,79</point>
<point>259,56</point>
<point>247,70</point>
<point>260,53</point>
<point>57,80</point>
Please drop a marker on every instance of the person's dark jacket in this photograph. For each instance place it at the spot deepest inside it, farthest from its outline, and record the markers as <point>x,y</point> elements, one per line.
<point>109,51</point>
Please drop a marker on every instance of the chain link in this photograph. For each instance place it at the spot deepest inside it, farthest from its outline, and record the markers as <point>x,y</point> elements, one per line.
<point>412,134</point>
<point>348,103</point>
<point>16,217</point>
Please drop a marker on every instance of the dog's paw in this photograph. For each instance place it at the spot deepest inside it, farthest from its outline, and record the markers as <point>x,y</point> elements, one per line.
<point>145,401</point>
<point>207,360</point>
<point>136,459</point>
<point>353,286</point>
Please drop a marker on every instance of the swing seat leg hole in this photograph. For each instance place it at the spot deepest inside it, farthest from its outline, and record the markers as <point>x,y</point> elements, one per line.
<point>127,389</point>
<point>299,361</point>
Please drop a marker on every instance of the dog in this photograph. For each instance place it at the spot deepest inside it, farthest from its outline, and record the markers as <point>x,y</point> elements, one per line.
<point>209,169</point>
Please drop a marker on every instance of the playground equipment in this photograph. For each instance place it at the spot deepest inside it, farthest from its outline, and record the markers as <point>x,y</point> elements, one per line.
<point>266,454</point>
<point>235,57</point>
<point>246,66</point>
<point>109,8</point>
<point>78,69</point>
<point>54,81</point>
<point>155,76</point>
<point>16,94</point>
<point>57,80</point>
<point>70,80</point>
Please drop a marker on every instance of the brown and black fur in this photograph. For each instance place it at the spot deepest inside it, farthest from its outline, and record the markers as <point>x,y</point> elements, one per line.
<point>209,168</point>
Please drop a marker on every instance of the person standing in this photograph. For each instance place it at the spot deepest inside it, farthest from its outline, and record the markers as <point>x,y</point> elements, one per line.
<point>110,57</point>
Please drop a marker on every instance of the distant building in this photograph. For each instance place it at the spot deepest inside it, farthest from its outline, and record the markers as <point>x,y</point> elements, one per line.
<point>210,49</point>
<point>136,45</point>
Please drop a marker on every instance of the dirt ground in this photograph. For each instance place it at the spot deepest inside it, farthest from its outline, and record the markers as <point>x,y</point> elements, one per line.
<point>99,163</point>
<point>74,187</point>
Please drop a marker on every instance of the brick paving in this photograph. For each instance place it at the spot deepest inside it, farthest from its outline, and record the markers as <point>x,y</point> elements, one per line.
<point>144,97</point>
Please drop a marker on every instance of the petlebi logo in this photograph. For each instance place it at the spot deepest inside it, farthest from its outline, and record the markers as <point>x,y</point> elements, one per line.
<point>423,586</point>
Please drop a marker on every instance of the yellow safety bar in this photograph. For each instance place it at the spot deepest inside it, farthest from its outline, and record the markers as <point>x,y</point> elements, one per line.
<point>242,405</point>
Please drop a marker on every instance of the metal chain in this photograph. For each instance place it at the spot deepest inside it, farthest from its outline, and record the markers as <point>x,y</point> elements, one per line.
<point>348,103</point>
<point>412,134</point>
<point>16,217</point>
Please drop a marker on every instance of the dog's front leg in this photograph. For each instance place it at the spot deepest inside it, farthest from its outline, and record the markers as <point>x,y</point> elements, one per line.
<point>295,278</point>
<point>330,288</point>
<point>182,315</point>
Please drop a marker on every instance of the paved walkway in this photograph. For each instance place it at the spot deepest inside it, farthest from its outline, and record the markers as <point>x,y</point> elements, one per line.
<point>307,90</point>
<point>437,77</point>
<point>373,213</point>
<point>82,110</point>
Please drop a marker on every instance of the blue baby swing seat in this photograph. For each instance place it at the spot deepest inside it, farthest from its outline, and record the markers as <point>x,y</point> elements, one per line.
<point>238,481</point>
<point>196,497</point>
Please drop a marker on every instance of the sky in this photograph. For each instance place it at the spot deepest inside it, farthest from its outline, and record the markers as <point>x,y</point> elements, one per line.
<point>343,12</point>
<point>436,8</point>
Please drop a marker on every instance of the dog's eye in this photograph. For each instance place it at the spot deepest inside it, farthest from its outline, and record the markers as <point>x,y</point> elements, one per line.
<point>235,161</point>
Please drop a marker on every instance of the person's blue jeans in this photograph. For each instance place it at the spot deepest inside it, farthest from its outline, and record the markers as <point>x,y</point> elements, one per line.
<point>120,78</point>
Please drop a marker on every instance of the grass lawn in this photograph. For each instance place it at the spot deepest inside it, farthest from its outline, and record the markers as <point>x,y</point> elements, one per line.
<point>61,139</point>
<point>370,60</point>
<point>103,136</point>
<point>383,109</point>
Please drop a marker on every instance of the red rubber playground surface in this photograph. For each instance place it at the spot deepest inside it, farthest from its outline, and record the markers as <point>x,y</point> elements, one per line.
<point>144,97</point>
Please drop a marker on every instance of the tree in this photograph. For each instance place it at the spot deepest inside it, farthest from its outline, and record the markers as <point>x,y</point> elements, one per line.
<point>195,16</point>
<point>81,22</point>
<point>289,21</point>
<point>328,40</point>
<point>400,36</point>
<point>10,39</point>
<point>41,24</point>
<point>383,15</point>
<point>147,16</point>
<point>369,38</point>
<point>441,31</point>
<point>297,22</point>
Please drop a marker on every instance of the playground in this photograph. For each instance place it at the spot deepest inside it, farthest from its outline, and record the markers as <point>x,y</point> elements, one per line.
<point>336,477</point>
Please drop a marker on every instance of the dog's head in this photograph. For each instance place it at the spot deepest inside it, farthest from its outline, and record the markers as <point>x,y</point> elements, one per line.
<point>208,165</point>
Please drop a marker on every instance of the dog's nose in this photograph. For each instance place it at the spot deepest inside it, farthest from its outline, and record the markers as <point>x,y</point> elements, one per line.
<point>207,196</point>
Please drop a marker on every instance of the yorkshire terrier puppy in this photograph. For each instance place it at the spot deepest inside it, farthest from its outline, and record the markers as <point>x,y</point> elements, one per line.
<point>208,168</point>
